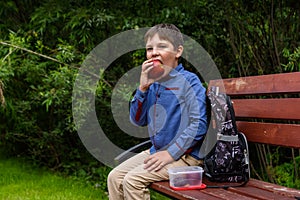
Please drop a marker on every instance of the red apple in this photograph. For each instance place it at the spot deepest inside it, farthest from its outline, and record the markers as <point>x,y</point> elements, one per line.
<point>157,69</point>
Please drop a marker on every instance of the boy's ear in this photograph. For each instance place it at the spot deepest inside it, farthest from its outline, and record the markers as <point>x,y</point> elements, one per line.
<point>179,51</point>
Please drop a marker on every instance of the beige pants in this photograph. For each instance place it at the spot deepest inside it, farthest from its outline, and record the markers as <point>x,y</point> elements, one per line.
<point>129,180</point>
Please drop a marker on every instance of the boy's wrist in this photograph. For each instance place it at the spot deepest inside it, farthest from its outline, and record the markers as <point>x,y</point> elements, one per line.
<point>143,88</point>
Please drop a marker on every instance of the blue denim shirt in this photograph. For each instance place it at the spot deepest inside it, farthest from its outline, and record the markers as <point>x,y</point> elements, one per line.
<point>175,112</point>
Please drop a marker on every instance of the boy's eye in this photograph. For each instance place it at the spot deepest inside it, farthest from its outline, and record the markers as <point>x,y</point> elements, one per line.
<point>149,49</point>
<point>162,46</point>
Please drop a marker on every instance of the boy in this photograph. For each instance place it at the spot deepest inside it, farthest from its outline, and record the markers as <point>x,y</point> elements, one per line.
<point>173,106</point>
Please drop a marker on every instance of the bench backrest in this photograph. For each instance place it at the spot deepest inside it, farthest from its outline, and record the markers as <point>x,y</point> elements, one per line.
<point>267,107</point>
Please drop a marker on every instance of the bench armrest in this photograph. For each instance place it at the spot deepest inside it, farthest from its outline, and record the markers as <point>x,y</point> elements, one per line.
<point>132,151</point>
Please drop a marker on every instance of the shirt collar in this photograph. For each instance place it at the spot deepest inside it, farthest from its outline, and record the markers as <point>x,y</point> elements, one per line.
<point>176,70</point>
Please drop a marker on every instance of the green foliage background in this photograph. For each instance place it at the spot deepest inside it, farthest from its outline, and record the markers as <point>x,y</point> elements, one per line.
<point>44,42</point>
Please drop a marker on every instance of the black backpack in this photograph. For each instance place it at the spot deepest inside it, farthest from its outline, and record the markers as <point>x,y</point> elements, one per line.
<point>228,160</point>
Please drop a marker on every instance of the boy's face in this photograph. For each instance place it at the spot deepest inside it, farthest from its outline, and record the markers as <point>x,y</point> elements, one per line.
<point>164,51</point>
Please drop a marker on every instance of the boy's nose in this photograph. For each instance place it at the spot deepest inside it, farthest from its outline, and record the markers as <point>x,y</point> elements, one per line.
<point>155,52</point>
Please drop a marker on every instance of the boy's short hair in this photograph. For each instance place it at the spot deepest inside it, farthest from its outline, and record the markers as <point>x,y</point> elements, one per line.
<point>167,32</point>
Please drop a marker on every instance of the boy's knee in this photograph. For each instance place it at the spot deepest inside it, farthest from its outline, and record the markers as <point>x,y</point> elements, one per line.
<point>112,177</point>
<point>135,187</point>
<point>131,180</point>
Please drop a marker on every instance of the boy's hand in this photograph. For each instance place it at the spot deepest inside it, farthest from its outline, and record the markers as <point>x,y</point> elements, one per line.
<point>145,81</point>
<point>158,160</point>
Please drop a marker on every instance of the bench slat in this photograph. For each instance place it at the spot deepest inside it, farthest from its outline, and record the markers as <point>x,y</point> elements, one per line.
<point>284,191</point>
<point>226,194</point>
<point>264,84</point>
<point>258,193</point>
<point>270,133</point>
<point>279,108</point>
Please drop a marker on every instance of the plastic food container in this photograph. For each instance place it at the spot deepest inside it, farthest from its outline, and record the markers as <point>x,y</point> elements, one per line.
<point>186,178</point>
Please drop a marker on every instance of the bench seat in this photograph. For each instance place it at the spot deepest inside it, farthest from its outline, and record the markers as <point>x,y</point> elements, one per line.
<point>254,189</point>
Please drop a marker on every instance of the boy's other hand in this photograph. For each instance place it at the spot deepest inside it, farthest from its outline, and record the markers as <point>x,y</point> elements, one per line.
<point>158,160</point>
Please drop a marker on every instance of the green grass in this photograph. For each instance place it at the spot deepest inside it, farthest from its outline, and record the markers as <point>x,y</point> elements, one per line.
<point>21,181</point>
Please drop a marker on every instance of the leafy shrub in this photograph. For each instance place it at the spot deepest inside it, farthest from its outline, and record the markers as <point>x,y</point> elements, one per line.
<point>287,174</point>
<point>293,58</point>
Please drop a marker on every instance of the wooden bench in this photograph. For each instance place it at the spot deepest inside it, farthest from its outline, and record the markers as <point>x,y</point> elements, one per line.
<point>268,112</point>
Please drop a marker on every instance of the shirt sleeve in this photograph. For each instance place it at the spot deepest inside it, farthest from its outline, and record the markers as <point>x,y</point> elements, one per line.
<point>138,111</point>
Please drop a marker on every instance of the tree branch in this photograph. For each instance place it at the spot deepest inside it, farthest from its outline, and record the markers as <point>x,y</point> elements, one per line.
<point>32,52</point>
<point>49,58</point>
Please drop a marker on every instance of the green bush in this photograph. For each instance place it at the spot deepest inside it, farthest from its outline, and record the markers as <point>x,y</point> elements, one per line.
<point>287,174</point>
